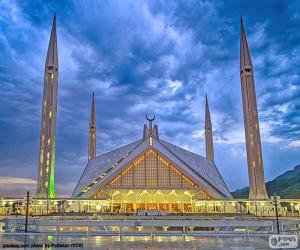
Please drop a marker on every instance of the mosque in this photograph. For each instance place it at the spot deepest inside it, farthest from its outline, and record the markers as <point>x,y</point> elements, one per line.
<point>150,173</point>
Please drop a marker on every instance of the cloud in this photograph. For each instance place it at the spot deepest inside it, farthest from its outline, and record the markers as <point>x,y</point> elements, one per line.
<point>14,180</point>
<point>14,186</point>
<point>294,144</point>
<point>147,57</point>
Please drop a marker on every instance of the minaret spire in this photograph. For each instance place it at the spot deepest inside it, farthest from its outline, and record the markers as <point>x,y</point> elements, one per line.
<point>257,188</point>
<point>92,132</point>
<point>208,133</point>
<point>45,186</point>
<point>52,55</point>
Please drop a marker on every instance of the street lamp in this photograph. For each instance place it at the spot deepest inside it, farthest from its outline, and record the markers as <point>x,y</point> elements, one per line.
<point>55,205</point>
<point>297,207</point>
<point>71,203</point>
<point>26,218</point>
<point>263,208</point>
<point>275,200</point>
<point>41,206</point>
<point>98,207</point>
<point>292,208</point>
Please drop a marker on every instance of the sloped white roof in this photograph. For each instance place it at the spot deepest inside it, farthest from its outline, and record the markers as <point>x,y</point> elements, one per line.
<point>102,163</point>
<point>106,166</point>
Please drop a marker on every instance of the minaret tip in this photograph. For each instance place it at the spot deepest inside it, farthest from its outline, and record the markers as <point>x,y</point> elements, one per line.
<point>52,55</point>
<point>208,132</point>
<point>245,58</point>
<point>54,20</point>
<point>242,23</point>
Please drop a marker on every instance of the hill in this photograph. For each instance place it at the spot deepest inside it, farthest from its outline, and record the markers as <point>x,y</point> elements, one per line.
<point>286,186</point>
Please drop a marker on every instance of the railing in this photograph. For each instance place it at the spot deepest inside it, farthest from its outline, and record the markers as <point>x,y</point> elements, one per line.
<point>75,207</point>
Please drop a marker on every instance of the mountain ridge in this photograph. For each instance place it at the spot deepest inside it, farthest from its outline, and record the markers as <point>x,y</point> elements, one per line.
<point>286,185</point>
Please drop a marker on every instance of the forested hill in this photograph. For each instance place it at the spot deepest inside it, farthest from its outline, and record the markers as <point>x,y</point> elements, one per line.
<point>286,186</point>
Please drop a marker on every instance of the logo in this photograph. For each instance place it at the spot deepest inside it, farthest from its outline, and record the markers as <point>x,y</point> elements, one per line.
<point>283,241</point>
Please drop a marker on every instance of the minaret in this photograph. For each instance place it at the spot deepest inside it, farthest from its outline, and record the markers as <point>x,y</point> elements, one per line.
<point>45,186</point>
<point>208,133</point>
<point>92,132</point>
<point>257,188</point>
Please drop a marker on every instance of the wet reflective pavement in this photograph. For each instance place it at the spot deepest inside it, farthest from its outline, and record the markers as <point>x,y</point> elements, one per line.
<point>44,241</point>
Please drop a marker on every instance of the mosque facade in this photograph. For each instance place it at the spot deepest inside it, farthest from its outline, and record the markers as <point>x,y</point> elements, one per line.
<point>150,173</point>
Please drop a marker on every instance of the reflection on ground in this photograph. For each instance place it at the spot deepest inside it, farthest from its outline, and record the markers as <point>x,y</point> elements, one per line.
<point>134,242</point>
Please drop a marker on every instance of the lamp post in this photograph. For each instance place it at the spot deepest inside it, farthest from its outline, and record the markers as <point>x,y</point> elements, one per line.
<point>275,200</point>
<point>26,218</point>
<point>98,207</point>
<point>292,209</point>
<point>41,207</point>
<point>241,209</point>
<point>297,207</point>
<point>263,208</point>
<point>55,206</point>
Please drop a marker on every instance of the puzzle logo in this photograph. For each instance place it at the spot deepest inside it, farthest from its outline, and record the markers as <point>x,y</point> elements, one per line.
<point>283,241</point>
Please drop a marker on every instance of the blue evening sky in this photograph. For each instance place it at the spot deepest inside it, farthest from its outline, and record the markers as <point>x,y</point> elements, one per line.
<point>147,57</point>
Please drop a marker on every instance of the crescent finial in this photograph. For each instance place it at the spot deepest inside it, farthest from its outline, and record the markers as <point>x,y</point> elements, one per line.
<point>150,119</point>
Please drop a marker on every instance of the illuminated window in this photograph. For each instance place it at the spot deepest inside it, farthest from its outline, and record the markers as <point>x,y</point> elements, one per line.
<point>150,141</point>
<point>50,114</point>
<point>150,172</point>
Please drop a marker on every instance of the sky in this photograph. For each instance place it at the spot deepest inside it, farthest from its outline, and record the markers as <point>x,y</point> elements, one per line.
<point>147,57</point>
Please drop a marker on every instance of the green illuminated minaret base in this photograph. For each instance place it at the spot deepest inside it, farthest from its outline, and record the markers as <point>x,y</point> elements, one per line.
<point>45,186</point>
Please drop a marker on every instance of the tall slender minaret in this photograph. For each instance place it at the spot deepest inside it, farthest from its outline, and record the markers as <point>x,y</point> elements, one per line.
<point>257,188</point>
<point>45,186</point>
<point>92,132</point>
<point>208,133</point>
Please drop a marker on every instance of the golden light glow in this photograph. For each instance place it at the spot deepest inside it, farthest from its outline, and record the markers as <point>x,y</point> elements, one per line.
<point>157,173</point>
